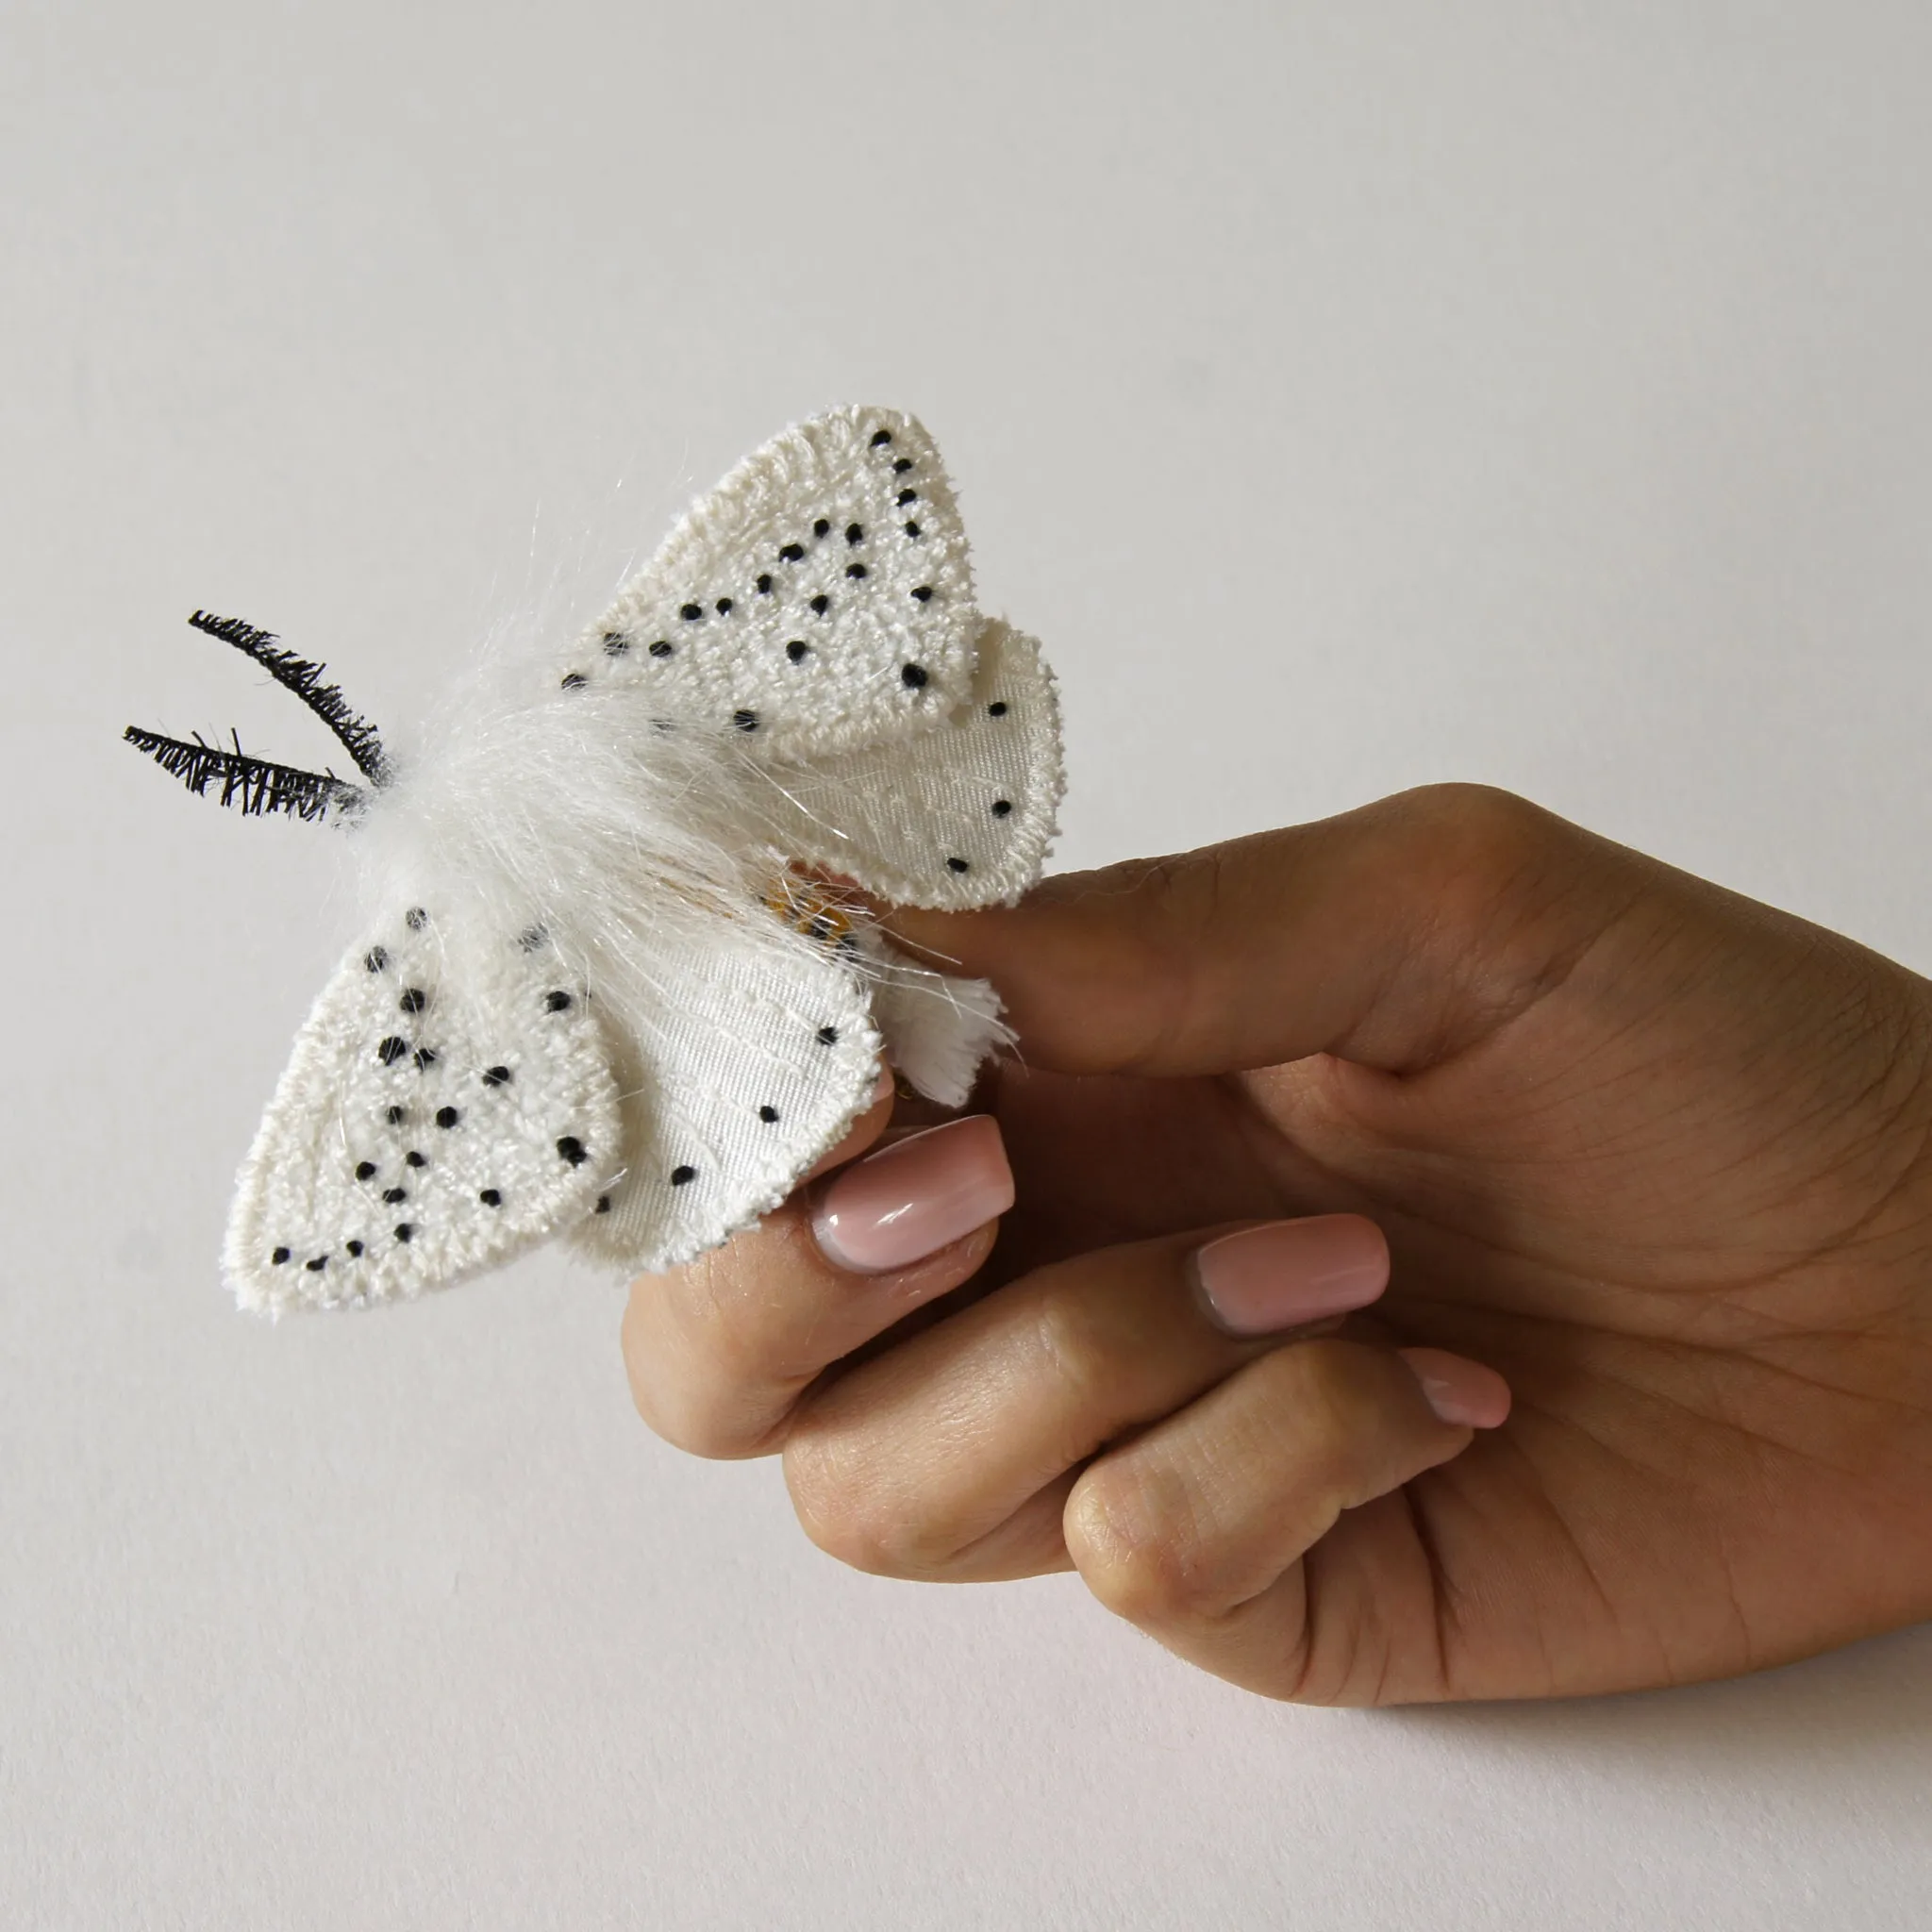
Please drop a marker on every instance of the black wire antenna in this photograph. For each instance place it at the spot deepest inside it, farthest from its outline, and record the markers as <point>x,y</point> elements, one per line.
<point>255,786</point>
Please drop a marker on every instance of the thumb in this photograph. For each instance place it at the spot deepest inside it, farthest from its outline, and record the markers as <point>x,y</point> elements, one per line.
<point>1393,936</point>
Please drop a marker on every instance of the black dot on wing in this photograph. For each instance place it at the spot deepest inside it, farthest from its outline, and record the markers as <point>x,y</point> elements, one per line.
<point>914,677</point>
<point>366,1170</point>
<point>798,650</point>
<point>820,528</point>
<point>662,648</point>
<point>414,1000</point>
<point>447,1116</point>
<point>615,643</point>
<point>412,1158</point>
<point>767,1113</point>
<point>958,865</point>
<point>557,1001</point>
<point>691,613</point>
<point>855,570</point>
<point>392,1049</point>
<point>602,1206</point>
<point>404,1229</point>
<point>922,595</point>
<point>571,1149</point>
<point>376,958</point>
<point>906,496</point>
<point>722,606</point>
<point>683,1176</point>
<point>828,1036</point>
<point>821,602</point>
<point>393,1196</point>
<point>1001,807</point>
<point>279,1255</point>
<point>791,553</point>
<point>425,1057</point>
<point>531,938</point>
<point>496,1076</point>
<point>913,530</point>
<point>746,720</point>
<point>490,1197</point>
<point>354,1247</point>
<point>415,919</point>
<point>573,680</point>
<point>901,465</point>
<point>880,437</point>
<point>317,1265</point>
<point>997,709</point>
<point>395,1116</point>
<point>764,586</point>
<point>855,533</point>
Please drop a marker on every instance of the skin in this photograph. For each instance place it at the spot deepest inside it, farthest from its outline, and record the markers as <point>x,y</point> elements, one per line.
<point>1656,1153</point>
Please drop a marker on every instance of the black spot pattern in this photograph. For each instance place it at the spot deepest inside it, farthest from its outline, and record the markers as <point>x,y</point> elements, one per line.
<point>412,1158</point>
<point>691,613</point>
<point>821,602</point>
<point>392,1049</point>
<point>958,865</point>
<point>615,643</point>
<point>571,1149</point>
<point>798,650</point>
<point>393,1196</point>
<point>683,1176</point>
<point>914,677</point>
<point>279,1255</point>
<point>828,1036</point>
<point>767,1113</point>
<point>557,1001</point>
<point>575,680</point>
<point>499,1076</point>
<point>1001,807</point>
<point>746,720</point>
<point>366,1170</point>
<point>376,958</point>
<point>414,1000</point>
<point>447,1116</point>
<point>662,648</point>
<point>490,1197</point>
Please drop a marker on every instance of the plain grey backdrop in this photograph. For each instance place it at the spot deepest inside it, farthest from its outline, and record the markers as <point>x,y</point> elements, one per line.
<point>1351,396</point>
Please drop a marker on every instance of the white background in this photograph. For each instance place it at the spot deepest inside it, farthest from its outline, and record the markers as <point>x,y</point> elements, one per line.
<point>1351,396</point>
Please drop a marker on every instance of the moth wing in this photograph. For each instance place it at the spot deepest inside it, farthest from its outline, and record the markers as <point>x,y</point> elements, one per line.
<point>449,1101</point>
<point>820,598</point>
<point>753,1063</point>
<point>960,815</point>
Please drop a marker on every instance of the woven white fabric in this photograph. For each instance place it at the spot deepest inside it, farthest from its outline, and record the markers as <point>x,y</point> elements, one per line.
<point>626,1015</point>
<point>449,1101</point>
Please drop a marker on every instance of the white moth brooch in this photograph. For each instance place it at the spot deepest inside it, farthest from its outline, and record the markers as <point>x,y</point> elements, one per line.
<point>610,984</point>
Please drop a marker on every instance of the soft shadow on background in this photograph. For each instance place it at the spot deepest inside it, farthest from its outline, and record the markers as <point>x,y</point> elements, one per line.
<point>1349,397</point>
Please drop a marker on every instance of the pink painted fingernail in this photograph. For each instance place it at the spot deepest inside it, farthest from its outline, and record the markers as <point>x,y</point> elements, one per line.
<point>911,1198</point>
<point>1290,1271</point>
<point>1460,1390</point>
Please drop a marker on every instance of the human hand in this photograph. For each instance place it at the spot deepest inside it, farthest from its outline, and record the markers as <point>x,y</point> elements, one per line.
<point>1656,1153</point>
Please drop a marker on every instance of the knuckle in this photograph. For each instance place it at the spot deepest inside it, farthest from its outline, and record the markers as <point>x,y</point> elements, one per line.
<point>1479,832</point>
<point>1136,1544</point>
<point>847,1509</point>
<point>1078,1339</point>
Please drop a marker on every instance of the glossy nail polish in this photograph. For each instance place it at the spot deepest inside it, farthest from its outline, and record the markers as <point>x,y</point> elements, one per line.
<point>913,1197</point>
<point>1288,1272</point>
<point>1460,1390</point>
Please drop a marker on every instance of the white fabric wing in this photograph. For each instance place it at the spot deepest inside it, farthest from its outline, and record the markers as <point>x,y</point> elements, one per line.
<point>820,598</point>
<point>448,1103</point>
<point>754,1063</point>
<point>959,816</point>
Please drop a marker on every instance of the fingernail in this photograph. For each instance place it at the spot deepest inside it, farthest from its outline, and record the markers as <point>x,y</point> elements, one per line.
<point>1460,1390</point>
<point>911,1198</point>
<point>1292,1271</point>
